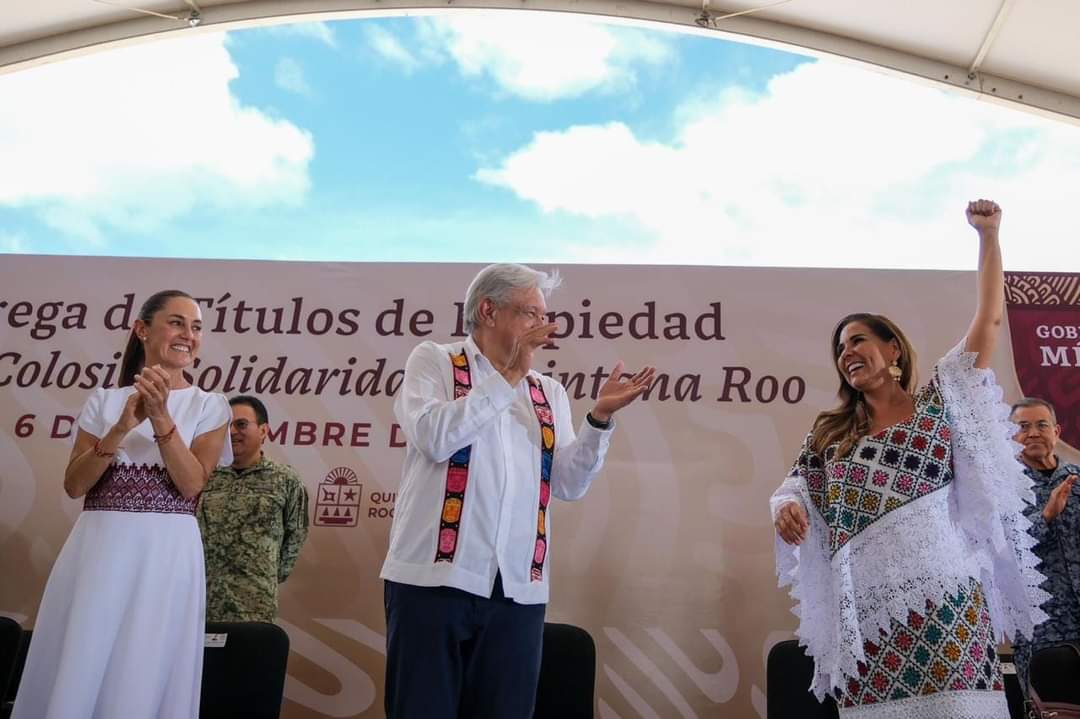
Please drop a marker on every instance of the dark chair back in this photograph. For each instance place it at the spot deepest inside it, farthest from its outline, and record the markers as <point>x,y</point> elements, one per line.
<point>567,674</point>
<point>1013,696</point>
<point>10,641</point>
<point>1055,673</point>
<point>245,678</point>
<point>13,657</point>
<point>788,673</point>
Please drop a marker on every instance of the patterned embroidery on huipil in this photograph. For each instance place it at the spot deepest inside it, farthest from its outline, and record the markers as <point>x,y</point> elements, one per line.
<point>883,472</point>
<point>457,474</point>
<point>137,488</point>
<point>547,455</point>
<point>949,647</point>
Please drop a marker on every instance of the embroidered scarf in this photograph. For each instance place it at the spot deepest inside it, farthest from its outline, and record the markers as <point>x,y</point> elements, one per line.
<point>457,473</point>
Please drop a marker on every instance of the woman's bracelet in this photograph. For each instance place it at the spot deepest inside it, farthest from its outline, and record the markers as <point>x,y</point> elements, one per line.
<point>163,438</point>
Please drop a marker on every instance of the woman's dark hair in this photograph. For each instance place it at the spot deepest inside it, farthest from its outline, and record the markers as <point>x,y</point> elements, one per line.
<point>134,355</point>
<point>849,422</point>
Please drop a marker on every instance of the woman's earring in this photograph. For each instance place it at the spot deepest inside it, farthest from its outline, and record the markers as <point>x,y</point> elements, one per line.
<point>895,372</point>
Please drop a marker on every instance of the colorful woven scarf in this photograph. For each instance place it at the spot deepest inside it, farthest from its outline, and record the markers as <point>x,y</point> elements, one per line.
<point>457,473</point>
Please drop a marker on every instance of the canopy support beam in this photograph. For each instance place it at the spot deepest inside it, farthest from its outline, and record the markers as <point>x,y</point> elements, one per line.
<point>991,35</point>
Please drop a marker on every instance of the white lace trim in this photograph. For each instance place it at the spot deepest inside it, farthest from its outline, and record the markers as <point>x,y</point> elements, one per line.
<point>916,553</point>
<point>785,493</point>
<point>990,489</point>
<point>907,557</point>
<point>970,704</point>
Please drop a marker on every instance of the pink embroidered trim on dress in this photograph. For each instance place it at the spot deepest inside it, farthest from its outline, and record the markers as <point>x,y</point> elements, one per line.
<point>137,488</point>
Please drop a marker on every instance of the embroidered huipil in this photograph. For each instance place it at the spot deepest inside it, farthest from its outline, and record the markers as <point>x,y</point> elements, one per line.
<point>494,522</point>
<point>136,480</point>
<point>917,561</point>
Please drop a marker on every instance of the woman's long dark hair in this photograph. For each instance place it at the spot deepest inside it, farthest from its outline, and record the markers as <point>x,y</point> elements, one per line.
<point>134,354</point>
<point>849,422</point>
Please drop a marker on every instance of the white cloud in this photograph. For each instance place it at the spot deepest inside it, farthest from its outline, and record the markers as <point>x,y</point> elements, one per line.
<point>538,56</point>
<point>547,56</point>
<point>319,31</point>
<point>289,76</point>
<point>831,165</point>
<point>388,46</point>
<point>135,136</point>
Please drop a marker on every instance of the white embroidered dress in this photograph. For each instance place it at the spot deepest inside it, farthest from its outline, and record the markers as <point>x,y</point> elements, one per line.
<point>917,560</point>
<point>119,633</point>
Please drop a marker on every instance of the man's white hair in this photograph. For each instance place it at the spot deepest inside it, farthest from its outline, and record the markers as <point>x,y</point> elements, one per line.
<point>498,282</point>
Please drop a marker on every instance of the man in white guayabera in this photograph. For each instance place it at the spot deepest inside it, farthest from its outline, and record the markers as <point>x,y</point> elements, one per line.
<point>490,440</point>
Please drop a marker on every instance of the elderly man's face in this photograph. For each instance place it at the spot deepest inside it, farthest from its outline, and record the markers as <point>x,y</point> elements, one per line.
<point>1038,433</point>
<point>524,310</point>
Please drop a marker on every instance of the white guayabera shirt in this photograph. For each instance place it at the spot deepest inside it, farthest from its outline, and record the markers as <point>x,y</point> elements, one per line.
<point>496,524</point>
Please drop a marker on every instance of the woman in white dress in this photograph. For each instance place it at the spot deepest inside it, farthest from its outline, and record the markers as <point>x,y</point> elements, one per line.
<point>119,634</point>
<point>900,528</point>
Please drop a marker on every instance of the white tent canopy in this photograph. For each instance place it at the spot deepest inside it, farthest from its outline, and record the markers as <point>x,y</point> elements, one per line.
<point>1024,52</point>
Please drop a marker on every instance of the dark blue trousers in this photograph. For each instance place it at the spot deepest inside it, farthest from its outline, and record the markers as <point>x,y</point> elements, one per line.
<point>454,655</point>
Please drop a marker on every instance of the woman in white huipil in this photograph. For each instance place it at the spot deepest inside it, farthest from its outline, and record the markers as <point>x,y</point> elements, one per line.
<point>119,633</point>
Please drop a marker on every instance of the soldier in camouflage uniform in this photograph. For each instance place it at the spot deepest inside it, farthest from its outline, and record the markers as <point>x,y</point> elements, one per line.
<point>1055,524</point>
<point>254,520</point>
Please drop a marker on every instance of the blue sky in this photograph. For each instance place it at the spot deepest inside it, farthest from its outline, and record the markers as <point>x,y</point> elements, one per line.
<point>480,136</point>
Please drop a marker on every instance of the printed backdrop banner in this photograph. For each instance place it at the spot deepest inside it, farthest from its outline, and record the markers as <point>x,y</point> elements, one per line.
<point>667,562</point>
<point>1044,313</point>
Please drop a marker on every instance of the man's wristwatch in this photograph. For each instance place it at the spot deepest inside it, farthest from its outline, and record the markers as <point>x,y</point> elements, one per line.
<point>594,422</point>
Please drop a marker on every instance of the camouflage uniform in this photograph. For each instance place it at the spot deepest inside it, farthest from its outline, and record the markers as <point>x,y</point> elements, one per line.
<point>253,523</point>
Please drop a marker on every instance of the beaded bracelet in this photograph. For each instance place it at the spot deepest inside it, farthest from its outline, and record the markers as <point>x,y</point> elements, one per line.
<point>99,452</point>
<point>163,438</point>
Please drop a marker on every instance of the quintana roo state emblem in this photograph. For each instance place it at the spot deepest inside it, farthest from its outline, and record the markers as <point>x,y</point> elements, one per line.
<point>338,503</point>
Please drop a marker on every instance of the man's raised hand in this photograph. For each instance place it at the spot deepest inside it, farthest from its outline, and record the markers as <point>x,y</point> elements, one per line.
<point>1059,497</point>
<point>620,390</point>
<point>520,360</point>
